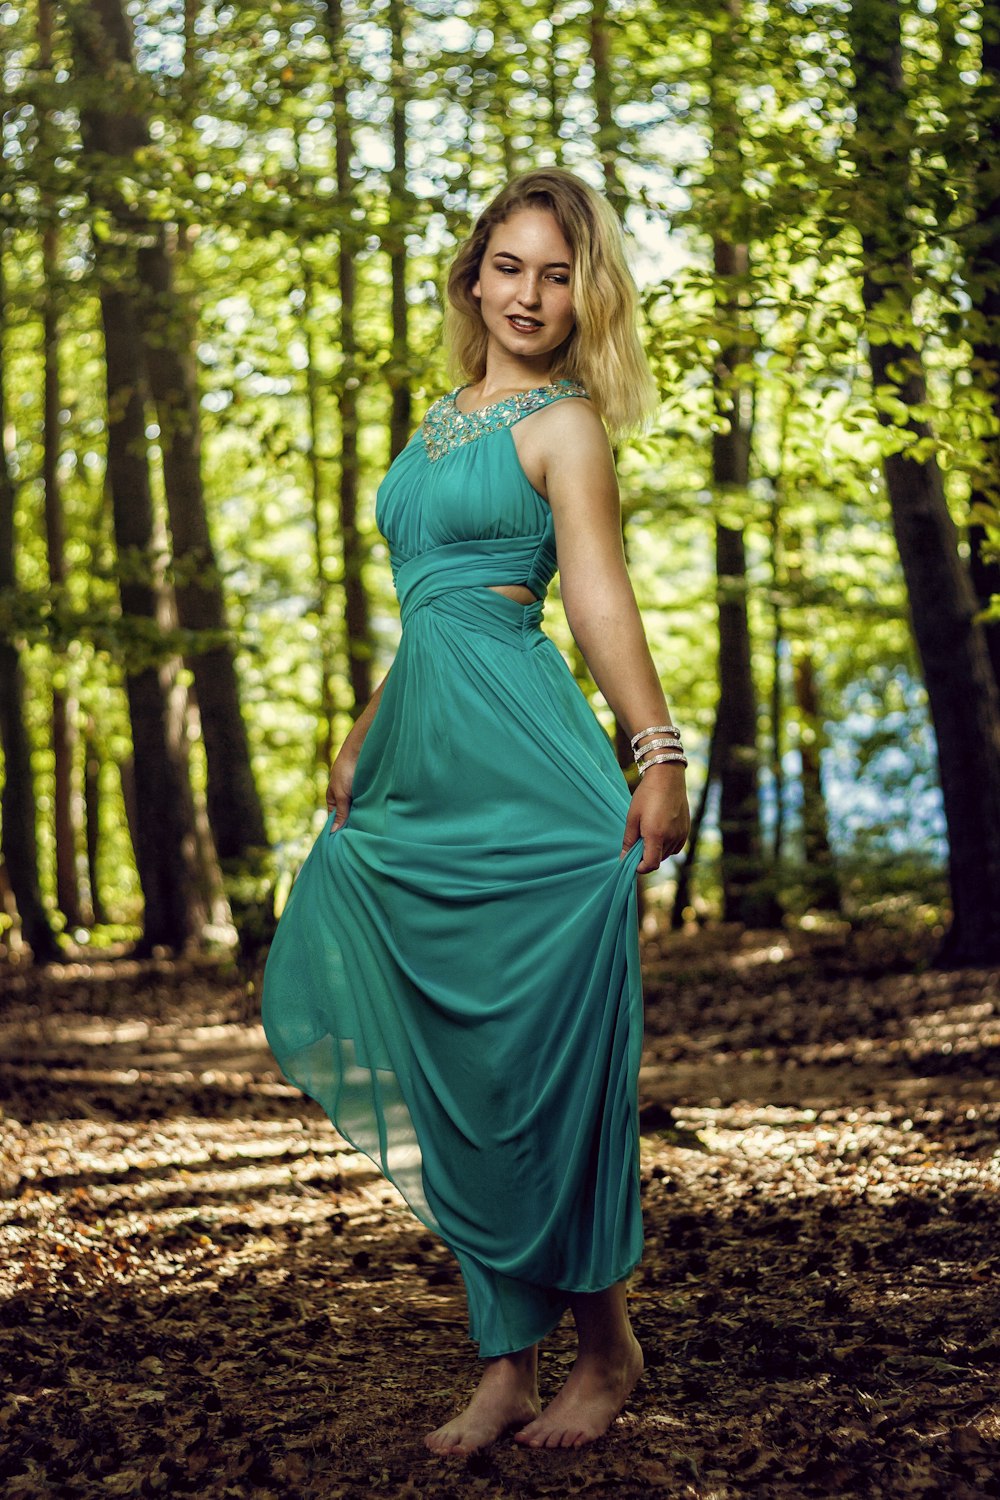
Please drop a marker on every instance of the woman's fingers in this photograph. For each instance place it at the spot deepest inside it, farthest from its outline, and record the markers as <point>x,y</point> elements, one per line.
<point>657,845</point>
<point>343,808</point>
<point>337,797</point>
<point>631,832</point>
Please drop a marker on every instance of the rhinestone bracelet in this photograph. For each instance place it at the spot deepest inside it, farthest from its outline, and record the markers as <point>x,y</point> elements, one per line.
<point>664,744</point>
<point>656,729</point>
<point>656,760</point>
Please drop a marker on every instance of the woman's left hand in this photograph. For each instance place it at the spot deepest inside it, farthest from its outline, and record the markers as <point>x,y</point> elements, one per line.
<point>659,815</point>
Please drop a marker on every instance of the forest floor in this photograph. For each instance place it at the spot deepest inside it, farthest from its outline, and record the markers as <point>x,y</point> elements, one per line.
<point>204,1292</point>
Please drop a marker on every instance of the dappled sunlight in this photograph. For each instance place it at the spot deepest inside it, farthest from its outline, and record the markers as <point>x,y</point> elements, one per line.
<point>199,1276</point>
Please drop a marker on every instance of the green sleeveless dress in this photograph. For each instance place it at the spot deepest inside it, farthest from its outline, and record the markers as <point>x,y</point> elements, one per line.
<point>455,976</point>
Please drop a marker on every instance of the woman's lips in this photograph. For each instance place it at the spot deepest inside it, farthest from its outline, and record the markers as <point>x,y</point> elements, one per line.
<point>523,325</point>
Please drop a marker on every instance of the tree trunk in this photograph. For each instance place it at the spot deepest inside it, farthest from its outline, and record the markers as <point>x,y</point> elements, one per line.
<point>746,896</point>
<point>682,895</point>
<point>555,85</point>
<point>608,140</point>
<point>984,288</point>
<point>92,819</point>
<point>777,695</point>
<point>234,807</point>
<point>327,662</point>
<point>164,832</point>
<point>18,838</point>
<point>63,729</point>
<point>235,813</point>
<point>823,881</point>
<point>609,147</point>
<point>357,620</point>
<point>824,887</point>
<point>961,688</point>
<point>399,218</point>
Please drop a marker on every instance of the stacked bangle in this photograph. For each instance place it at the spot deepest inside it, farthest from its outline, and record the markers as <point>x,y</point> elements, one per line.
<point>671,746</point>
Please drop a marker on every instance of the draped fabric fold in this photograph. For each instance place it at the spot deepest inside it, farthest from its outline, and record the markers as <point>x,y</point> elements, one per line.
<point>455,977</point>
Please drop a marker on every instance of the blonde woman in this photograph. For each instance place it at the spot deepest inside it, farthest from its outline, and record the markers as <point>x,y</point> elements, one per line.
<point>456,975</point>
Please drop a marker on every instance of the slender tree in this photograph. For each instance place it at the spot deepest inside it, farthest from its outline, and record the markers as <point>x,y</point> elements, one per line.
<point>609,135</point>
<point>322,542</point>
<point>63,730</point>
<point>984,286</point>
<point>18,839</point>
<point>357,620</point>
<point>164,830</point>
<point>609,145</point>
<point>234,808</point>
<point>961,688</point>
<point>745,896</point>
<point>400,205</point>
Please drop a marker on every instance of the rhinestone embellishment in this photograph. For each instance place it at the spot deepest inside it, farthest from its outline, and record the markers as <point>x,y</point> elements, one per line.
<point>445,427</point>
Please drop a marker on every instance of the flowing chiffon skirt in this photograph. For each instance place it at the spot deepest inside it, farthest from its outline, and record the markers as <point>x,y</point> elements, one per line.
<point>455,977</point>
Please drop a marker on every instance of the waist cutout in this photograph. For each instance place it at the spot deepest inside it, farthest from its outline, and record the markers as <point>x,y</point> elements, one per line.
<point>455,579</point>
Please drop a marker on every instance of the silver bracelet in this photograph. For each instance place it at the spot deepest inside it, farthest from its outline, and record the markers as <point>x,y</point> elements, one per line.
<point>656,760</point>
<point>664,744</point>
<point>655,729</point>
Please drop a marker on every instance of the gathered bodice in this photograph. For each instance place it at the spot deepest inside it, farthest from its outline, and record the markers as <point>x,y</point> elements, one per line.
<point>456,507</point>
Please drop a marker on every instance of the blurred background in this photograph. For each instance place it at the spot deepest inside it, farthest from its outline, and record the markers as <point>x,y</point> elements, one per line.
<point>223,236</point>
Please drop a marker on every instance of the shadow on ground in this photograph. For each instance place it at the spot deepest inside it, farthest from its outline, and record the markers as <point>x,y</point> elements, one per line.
<point>203,1292</point>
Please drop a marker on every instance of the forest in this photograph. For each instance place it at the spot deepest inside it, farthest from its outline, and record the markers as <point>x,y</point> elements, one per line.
<point>224,235</point>
<point>224,232</point>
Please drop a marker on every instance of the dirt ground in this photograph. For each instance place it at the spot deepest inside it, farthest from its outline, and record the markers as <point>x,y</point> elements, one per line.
<point>204,1292</point>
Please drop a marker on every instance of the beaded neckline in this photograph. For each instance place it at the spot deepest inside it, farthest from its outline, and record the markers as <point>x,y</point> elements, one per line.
<point>446,427</point>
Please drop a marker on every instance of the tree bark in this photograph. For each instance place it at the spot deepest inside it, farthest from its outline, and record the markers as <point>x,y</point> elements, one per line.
<point>164,834</point>
<point>399,212</point>
<point>608,141</point>
<point>235,813</point>
<point>556,115</point>
<point>357,615</point>
<point>821,871</point>
<point>609,147</point>
<point>327,661</point>
<point>961,688</point>
<point>18,838</point>
<point>682,894</point>
<point>234,808</point>
<point>92,819</point>
<point>984,287</point>
<point>746,894</point>
<point>63,729</point>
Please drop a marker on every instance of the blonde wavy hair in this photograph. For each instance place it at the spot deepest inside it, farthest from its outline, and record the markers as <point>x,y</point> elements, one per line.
<point>603,350</point>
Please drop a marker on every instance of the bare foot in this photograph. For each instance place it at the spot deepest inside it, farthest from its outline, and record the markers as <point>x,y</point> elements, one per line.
<point>594,1394</point>
<point>506,1397</point>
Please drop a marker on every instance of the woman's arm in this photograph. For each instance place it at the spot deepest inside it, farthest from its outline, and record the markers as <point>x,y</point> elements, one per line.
<point>603,615</point>
<point>338,792</point>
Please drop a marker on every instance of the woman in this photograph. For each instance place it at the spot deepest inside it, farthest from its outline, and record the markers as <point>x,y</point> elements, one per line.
<point>456,974</point>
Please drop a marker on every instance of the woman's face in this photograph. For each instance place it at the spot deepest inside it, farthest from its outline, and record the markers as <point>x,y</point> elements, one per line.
<point>523,285</point>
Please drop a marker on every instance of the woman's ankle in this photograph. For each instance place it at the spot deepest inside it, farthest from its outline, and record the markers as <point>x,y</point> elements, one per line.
<point>520,1365</point>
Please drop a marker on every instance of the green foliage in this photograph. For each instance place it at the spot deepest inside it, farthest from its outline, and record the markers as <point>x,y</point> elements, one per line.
<point>241,165</point>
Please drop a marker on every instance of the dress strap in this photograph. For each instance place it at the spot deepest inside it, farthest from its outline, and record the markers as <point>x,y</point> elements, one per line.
<point>446,427</point>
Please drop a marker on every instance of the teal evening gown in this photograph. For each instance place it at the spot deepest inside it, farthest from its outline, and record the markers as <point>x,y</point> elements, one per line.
<point>455,976</point>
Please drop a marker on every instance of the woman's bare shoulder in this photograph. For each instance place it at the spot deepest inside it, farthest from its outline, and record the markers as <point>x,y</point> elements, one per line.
<point>573,420</point>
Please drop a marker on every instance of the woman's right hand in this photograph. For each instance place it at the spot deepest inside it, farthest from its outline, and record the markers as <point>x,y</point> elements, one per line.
<point>338,791</point>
